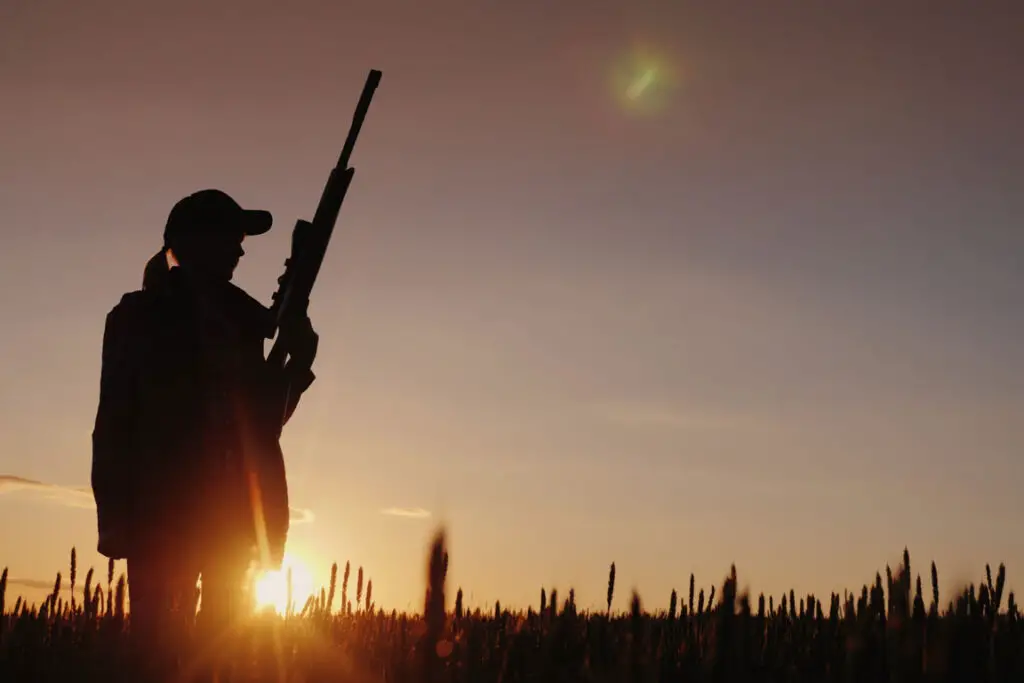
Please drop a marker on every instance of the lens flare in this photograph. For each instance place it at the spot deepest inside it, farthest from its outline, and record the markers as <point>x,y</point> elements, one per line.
<point>636,88</point>
<point>644,79</point>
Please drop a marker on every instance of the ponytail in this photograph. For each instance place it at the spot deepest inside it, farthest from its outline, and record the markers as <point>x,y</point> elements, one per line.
<point>157,268</point>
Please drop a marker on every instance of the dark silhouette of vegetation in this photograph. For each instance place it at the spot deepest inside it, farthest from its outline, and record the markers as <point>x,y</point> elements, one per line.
<point>886,632</point>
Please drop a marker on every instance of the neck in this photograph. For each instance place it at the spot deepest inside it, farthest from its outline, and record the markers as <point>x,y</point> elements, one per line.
<point>203,279</point>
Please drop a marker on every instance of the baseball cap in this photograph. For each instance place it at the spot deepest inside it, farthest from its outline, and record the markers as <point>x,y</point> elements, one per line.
<point>215,209</point>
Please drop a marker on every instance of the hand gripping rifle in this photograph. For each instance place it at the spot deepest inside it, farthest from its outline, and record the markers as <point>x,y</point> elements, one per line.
<point>310,239</point>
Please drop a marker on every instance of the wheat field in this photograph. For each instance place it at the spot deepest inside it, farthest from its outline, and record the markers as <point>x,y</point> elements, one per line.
<point>889,629</point>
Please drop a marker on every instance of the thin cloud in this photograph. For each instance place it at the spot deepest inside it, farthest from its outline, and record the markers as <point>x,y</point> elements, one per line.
<point>71,496</point>
<point>39,584</point>
<point>301,515</point>
<point>411,513</point>
<point>81,497</point>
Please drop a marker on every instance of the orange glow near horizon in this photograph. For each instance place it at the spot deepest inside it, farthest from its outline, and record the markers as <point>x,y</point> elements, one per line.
<point>271,587</point>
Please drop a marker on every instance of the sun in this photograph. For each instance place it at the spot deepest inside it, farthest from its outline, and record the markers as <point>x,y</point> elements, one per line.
<point>271,588</point>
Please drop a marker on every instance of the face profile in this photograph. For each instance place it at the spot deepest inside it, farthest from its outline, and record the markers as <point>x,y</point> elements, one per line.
<point>212,254</point>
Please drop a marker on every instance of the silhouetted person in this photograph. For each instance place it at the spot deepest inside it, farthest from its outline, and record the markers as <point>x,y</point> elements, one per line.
<point>187,469</point>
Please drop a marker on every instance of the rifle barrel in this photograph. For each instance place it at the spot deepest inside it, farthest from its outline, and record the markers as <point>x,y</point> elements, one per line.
<point>357,119</point>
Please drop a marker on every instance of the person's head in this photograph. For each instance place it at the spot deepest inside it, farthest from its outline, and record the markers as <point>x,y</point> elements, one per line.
<point>204,234</point>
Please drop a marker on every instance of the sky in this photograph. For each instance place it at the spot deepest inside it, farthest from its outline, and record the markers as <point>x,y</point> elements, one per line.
<point>668,284</point>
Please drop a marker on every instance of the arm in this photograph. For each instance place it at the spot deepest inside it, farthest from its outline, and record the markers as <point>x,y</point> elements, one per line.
<point>290,380</point>
<point>283,388</point>
<point>286,387</point>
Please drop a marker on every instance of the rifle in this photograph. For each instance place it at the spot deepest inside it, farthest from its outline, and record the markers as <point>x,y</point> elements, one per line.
<point>310,239</point>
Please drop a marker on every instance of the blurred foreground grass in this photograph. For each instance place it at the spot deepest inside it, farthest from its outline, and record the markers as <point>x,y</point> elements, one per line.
<point>886,631</point>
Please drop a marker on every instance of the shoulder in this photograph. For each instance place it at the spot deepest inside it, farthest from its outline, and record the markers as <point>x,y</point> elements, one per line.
<point>129,303</point>
<point>132,299</point>
<point>131,308</point>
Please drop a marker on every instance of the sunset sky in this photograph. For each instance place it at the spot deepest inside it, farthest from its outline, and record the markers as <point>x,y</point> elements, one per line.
<point>670,284</point>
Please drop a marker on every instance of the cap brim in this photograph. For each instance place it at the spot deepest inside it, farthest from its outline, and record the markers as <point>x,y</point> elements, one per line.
<point>256,222</point>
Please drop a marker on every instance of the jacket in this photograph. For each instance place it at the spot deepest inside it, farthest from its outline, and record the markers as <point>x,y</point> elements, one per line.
<point>186,451</point>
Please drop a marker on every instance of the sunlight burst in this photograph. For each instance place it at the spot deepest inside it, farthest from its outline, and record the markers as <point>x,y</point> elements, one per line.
<point>271,587</point>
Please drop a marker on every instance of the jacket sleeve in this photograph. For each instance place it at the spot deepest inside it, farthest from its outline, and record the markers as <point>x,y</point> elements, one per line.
<point>112,432</point>
<point>283,387</point>
<point>286,387</point>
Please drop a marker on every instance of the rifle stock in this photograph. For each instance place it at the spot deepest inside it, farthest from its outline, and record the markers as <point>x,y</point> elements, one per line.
<point>311,238</point>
